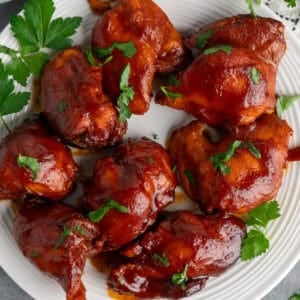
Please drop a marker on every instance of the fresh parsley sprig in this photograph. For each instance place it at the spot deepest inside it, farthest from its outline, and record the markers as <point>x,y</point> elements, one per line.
<point>225,48</point>
<point>202,39</point>
<point>162,259</point>
<point>97,215</point>
<point>126,96</point>
<point>295,297</point>
<point>127,48</point>
<point>180,278</point>
<point>256,242</point>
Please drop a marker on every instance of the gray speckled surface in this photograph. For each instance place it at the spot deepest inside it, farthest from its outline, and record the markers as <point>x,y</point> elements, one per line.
<point>10,291</point>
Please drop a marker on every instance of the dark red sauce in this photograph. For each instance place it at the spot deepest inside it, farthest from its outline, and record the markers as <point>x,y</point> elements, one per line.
<point>294,154</point>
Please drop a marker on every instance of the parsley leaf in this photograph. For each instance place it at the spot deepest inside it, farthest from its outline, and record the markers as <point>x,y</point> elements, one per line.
<point>79,229</point>
<point>161,259</point>
<point>128,49</point>
<point>225,48</point>
<point>155,136</point>
<point>255,75</point>
<point>254,244</point>
<point>97,215</point>
<point>263,214</point>
<point>284,102</point>
<point>126,96</point>
<point>35,62</point>
<point>201,39</point>
<point>190,177</point>
<point>219,160</point>
<point>29,163</point>
<point>170,95</point>
<point>65,234</point>
<point>295,297</point>
<point>35,254</point>
<point>181,277</point>
<point>59,32</point>
<point>291,3</point>
<point>19,70</point>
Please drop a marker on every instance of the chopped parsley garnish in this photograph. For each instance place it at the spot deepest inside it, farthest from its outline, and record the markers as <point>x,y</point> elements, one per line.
<point>97,215</point>
<point>150,160</point>
<point>161,259</point>
<point>219,160</point>
<point>79,229</point>
<point>255,75</point>
<point>128,49</point>
<point>174,169</point>
<point>172,80</point>
<point>170,95</point>
<point>35,254</point>
<point>295,297</point>
<point>225,48</point>
<point>256,242</point>
<point>284,102</point>
<point>29,163</point>
<point>251,8</point>
<point>201,39</point>
<point>155,136</point>
<point>65,234</point>
<point>91,59</point>
<point>126,96</point>
<point>62,106</point>
<point>181,277</point>
<point>190,177</point>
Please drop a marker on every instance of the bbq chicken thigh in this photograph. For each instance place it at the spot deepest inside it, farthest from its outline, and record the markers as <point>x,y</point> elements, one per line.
<point>57,239</point>
<point>32,162</point>
<point>174,259</point>
<point>159,48</point>
<point>73,102</point>
<point>237,173</point>
<point>128,190</point>
<point>232,80</point>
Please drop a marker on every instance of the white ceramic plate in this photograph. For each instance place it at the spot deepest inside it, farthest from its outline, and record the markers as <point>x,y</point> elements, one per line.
<point>244,281</point>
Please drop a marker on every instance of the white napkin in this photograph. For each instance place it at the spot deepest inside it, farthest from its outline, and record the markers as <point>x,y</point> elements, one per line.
<point>290,16</point>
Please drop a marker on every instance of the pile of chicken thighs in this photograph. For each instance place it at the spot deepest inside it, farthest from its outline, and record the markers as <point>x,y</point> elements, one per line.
<point>121,210</point>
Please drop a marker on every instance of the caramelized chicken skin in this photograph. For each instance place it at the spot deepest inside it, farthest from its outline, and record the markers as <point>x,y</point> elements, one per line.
<point>74,104</point>
<point>236,84</point>
<point>264,36</point>
<point>250,181</point>
<point>57,239</point>
<point>139,177</point>
<point>159,47</point>
<point>56,168</point>
<point>203,245</point>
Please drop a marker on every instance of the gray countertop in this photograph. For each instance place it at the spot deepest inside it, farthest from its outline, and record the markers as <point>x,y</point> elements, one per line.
<point>10,291</point>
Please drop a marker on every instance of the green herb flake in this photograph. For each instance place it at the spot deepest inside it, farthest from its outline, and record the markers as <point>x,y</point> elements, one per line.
<point>255,75</point>
<point>225,48</point>
<point>190,177</point>
<point>79,229</point>
<point>150,160</point>
<point>202,39</point>
<point>29,163</point>
<point>170,95</point>
<point>251,8</point>
<point>219,160</point>
<point>161,259</point>
<point>62,106</point>
<point>63,237</point>
<point>181,277</point>
<point>35,254</point>
<point>126,96</point>
<point>97,215</point>
<point>155,136</point>
<point>128,49</point>
<point>172,80</point>
<point>174,168</point>
<point>284,102</point>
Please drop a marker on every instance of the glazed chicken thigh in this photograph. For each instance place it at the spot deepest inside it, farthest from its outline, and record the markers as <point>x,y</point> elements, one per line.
<point>57,239</point>
<point>232,80</point>
<point>251,175</point>
<point>73,102</point>
<point>174,259</point>
<point>32,162</point>
<point>159,48</point>
<point>139,177</point>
